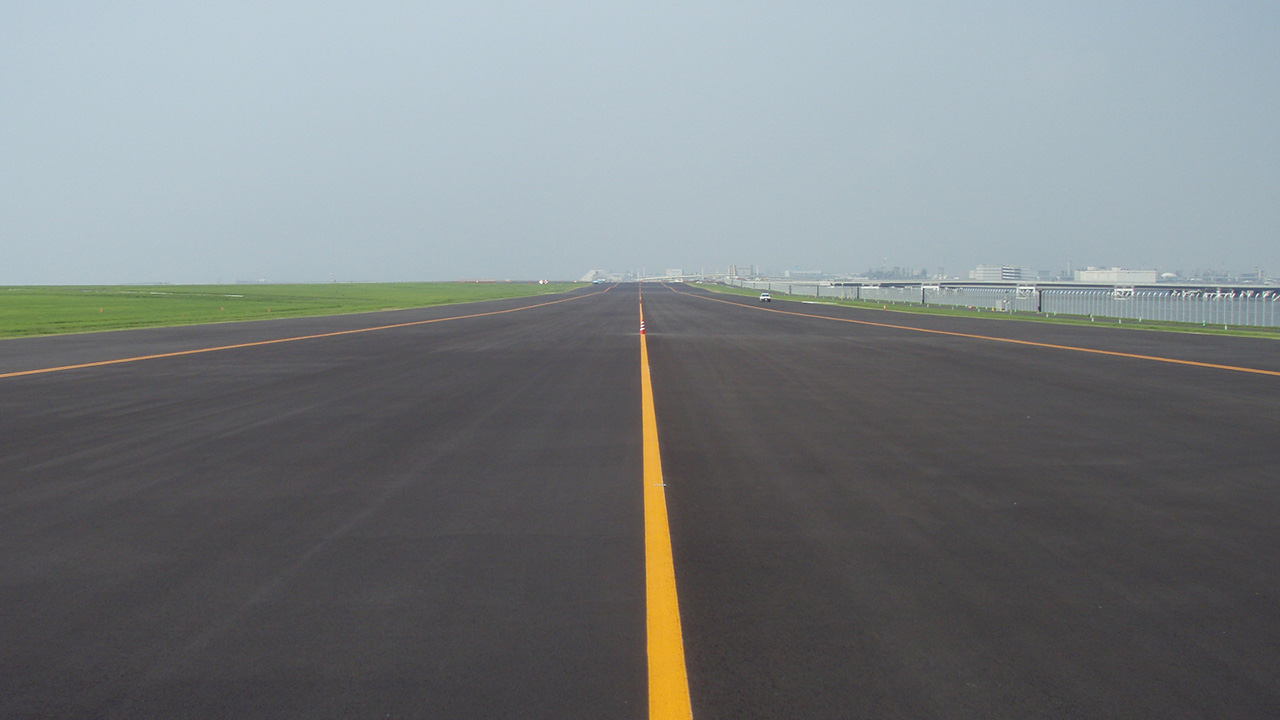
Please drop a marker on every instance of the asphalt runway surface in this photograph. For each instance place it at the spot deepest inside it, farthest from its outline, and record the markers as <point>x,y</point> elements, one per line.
<point>444,519</point>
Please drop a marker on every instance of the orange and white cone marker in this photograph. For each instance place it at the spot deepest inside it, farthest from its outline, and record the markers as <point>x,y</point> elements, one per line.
<point>641,327</point>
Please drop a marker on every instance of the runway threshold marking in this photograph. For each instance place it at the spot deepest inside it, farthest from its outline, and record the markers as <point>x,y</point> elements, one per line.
<point>1113,353</point>
<point>258,343</point>
<point>668,679</point>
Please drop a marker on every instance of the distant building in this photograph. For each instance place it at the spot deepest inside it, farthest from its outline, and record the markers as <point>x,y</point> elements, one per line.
<point>991,273</point>
<point>1116,276</point>
<point>675,273</point>
<point>803,274</point>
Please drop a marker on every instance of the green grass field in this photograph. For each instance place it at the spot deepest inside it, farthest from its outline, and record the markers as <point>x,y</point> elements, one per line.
<point>1273,333</point>
<point>49,310</point>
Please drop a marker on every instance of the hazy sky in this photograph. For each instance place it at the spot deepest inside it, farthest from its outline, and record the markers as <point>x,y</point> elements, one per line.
<point>204,141</point>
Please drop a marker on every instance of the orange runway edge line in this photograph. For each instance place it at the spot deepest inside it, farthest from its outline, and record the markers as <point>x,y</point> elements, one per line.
<point>1113,353</point>
<point>179,353</point>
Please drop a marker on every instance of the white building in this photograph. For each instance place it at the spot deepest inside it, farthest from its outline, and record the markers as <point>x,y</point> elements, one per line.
<point>1116,276</point>
<point>992,273</point>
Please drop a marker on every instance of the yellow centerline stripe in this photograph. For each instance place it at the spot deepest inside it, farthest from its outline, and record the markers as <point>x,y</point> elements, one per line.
<point>180,353</point>
<point>668,680</point>
<point>1113,353</point>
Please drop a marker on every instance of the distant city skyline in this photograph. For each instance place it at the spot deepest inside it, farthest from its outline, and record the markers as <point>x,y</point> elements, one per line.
<point>982,272</point>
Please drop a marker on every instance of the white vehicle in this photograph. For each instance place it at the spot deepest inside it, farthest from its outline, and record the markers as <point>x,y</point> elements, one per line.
<point>764,297</point>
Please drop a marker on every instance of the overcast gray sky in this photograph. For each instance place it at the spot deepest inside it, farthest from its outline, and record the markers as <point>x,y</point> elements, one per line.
<point>204,141</point>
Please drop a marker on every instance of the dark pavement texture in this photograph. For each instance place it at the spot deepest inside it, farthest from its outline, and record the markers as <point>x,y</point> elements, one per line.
<point>445,520</point>
<point>435,521</point>
<point>871,522</point>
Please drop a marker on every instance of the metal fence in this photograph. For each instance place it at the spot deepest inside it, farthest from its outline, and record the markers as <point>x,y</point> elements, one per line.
<point>1259,308</point>
<point>1241,307</point>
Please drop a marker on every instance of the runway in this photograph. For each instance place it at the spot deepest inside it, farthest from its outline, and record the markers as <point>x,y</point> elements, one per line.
<point>444,517</point>
<point>440,520</point>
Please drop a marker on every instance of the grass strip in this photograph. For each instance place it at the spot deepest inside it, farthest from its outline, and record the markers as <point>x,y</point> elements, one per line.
<point>54,310</point>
